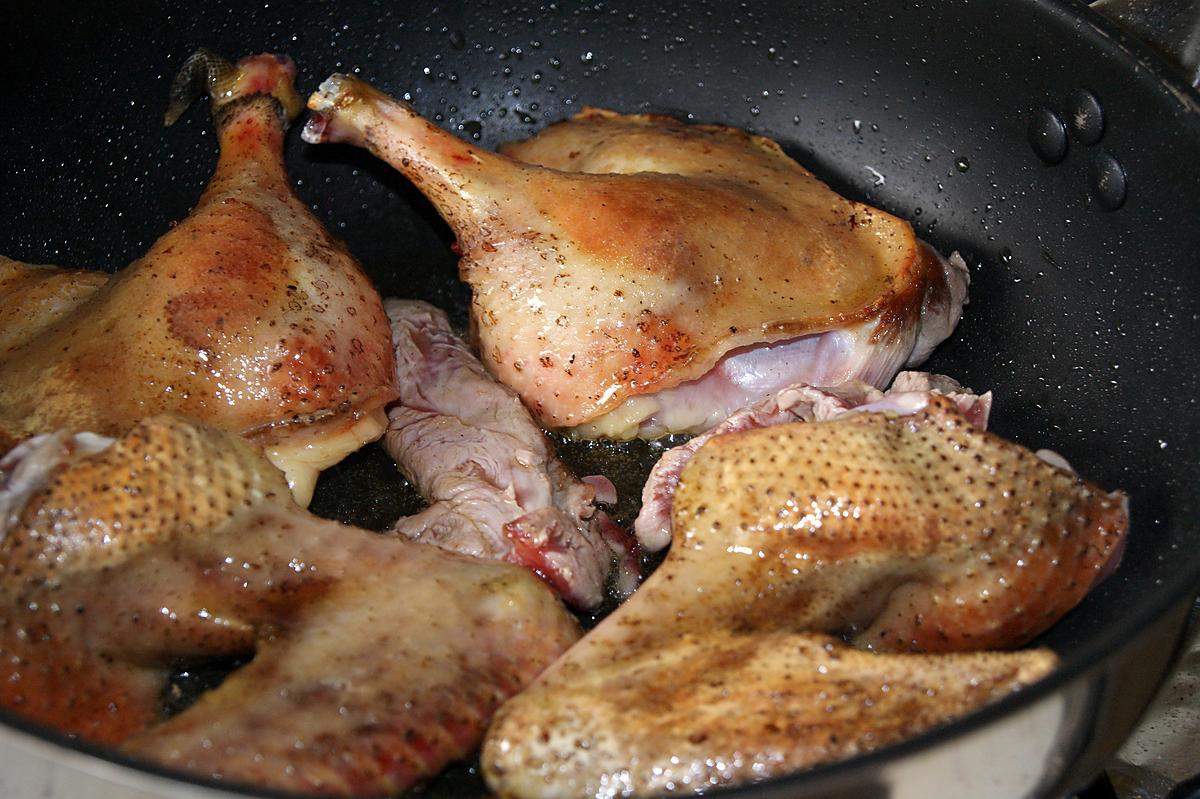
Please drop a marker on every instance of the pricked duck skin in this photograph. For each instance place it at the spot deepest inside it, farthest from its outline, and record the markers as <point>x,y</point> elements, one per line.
<point>912,532</point>
<point>702,271</point>
<point>374,662</point>
<point>917,536</point>
<point>800,402</point>
<point>705,710</point>
<point>246,314</point>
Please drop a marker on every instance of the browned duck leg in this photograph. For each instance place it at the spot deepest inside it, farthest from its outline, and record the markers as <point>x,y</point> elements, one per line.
<point>247,314</point>
<point>654,276</point>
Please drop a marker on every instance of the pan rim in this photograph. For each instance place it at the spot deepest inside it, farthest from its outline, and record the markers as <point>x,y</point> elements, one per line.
<point>1105,35</point>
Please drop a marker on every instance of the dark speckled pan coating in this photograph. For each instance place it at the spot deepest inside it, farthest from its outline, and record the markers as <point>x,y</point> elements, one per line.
<point>1083,321</point>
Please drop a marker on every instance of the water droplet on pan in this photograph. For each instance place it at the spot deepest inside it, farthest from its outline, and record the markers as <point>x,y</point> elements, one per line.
<point>962,164</point>
<point>1047,135</point>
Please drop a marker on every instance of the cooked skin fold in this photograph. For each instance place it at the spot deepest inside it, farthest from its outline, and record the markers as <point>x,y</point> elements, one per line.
<point>496,488</point>
<point>373,662</point>
<point>709,709</point>
<point>903,533</point>
<point>701,271</point>
<point>247,314</point>
<point>796,403</point>
<point>35,296</point>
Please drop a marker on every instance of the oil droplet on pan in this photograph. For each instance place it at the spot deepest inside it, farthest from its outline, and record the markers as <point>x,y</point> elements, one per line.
<point>473,128</point>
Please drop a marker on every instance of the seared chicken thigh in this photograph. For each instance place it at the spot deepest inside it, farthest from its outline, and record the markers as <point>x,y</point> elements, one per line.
<point>674,274</point>
<point>373,662</point>
<point>247,314</point>
<point>912,534</point>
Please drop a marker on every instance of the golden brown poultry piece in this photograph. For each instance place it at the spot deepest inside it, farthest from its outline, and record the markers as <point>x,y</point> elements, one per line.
<point>246,314</point>
<point>35,296</point>
<point>800,402</point>
<point>906,534</point>
<point>633,275</point>
<point>374,662</point>
<point>709,709</point>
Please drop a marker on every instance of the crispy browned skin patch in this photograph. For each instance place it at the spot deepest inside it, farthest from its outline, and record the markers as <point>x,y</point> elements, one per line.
<point>374,662</point>
<point>916,533</point>
<point>246,314</point>
<point>710,709</point>
<point>912,535</point>
<point>34,296</point>
<point>622,255</point>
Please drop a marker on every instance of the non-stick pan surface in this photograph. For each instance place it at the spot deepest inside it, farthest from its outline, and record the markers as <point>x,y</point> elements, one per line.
<point>1084,318</point>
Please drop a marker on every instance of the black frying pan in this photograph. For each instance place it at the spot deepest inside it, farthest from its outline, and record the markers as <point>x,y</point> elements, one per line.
<point>1085,308</point>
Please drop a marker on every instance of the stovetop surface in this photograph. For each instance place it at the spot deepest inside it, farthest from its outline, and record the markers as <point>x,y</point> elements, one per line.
<point>1161,760</point>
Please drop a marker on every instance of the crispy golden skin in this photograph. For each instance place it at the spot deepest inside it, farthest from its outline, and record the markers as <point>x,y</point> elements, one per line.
<point>247,314</point>
<point>919,536</point>
<point>373,661</point>
<point>666,247</point>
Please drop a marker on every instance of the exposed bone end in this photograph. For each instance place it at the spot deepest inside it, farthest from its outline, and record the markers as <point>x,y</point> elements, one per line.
<point>329,98</point>
<point>330,105</point>
<point>315,128</point>
<point>325,100</point>
<point>224,82</point>
<point>267,73</point>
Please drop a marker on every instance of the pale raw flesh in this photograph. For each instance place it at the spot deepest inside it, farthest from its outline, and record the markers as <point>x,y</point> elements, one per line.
<point>247,314</point>
<point>656,276</point>
<point>916,534</point>
<point>497,489</point>
<point>374,662</point>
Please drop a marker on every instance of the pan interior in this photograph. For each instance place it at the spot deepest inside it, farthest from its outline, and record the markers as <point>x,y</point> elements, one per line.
<point>1083,321</point>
